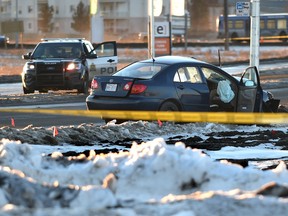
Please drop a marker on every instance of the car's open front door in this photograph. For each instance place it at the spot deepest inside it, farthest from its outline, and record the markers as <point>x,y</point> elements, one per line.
<point>106,62</point>
<point>249,92</point>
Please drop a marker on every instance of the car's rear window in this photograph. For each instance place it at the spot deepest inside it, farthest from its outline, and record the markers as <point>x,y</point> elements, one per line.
<point>141,70</point>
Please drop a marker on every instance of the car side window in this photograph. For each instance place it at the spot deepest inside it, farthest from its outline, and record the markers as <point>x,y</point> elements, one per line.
<point>194,75</point>
<point>221,88</point>
<point>187,74</point>
<point>105,50</point>
<point>250,77</point>
<point>212,75</point>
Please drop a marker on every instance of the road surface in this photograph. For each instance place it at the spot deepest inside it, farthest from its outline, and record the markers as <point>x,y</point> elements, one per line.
<point>274,78</point>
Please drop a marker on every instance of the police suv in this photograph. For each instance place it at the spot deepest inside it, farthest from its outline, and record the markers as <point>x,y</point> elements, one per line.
<point>67,63</point>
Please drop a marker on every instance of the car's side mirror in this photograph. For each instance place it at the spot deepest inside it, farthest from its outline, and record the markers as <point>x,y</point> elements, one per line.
<point>249,83</point>
<point>92,56</point>
<point>26,56</point>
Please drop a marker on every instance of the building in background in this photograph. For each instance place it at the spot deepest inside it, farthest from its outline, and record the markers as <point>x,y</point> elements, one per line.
<point>28,12</point>
<point>122,18</point>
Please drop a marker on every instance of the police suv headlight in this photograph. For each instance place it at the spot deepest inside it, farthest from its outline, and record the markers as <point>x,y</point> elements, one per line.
<point>29,66</point>
<point>73,66</point>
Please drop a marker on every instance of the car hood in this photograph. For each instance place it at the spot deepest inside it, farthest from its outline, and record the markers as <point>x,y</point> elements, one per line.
<point>53,60</point>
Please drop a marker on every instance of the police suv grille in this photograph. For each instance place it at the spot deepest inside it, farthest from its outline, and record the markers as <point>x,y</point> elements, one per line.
<point>48,68</point>
<point>50,74</point>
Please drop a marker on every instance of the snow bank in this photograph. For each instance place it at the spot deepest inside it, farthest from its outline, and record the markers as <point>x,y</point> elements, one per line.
<point>153,178</point>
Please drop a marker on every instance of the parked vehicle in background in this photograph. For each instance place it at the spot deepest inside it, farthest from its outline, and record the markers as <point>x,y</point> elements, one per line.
<point>64,64</point>
<point>4,40</point>
<point>178,38</point>
<point>272,27</point>
<point>173,83</point>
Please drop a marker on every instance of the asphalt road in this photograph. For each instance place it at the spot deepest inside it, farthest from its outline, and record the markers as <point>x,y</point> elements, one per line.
<point>275,82</point>
<point>22,120</point>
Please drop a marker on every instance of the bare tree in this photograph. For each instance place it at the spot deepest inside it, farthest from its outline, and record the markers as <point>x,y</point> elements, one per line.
<point>199,15</point>
<point>81,18</point>
<point>45,18</point>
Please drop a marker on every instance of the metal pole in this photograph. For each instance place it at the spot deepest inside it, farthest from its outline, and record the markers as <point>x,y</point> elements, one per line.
<point>226,25</point>
<point>17,31</point>
<point>186,25</point>
<point>151,28</point>
<point>186,29</point>
<point>255,33</point>
<point>170,26</point>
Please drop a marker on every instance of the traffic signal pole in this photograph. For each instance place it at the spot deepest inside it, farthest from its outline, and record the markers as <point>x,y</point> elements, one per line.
<point>255,33</point>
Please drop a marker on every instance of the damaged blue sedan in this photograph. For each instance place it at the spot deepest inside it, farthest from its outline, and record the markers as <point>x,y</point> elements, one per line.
<point>174,83</point>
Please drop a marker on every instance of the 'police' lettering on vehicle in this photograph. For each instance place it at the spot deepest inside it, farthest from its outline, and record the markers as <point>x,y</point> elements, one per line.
<point>108,70</point>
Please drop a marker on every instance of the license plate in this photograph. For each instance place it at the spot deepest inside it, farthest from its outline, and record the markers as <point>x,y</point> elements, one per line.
<point>111,87</point>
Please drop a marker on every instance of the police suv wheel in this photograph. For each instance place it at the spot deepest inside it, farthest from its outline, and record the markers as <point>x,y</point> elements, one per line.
<point>27,91</point>
<point>85,88</point>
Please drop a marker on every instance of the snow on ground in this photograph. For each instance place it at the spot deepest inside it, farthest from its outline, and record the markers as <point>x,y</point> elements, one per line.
<point>46,175</point>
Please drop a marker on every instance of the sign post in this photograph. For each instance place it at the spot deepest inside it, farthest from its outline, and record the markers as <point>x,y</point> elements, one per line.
<point>255,33</point>
<point>252,9</point>
<point>97,23</point>
<point>242,8</point>
<point>162,38</point>
<point>151,37</point>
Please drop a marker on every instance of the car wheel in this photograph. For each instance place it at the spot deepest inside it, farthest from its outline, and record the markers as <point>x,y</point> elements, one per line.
<point>85,87</point>
<point>27,91</point>
<point>282,109</point>
<point>43,91</point>
<point>169,106</point>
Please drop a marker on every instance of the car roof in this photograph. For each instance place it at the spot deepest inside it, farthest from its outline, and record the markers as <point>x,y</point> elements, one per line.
<point>63,40</point>
<point>173,60</point>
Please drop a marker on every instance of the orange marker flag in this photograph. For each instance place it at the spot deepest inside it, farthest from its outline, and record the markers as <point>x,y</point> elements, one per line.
<point>12,122</point>
<point>55,132</point>
<point>160,123</point>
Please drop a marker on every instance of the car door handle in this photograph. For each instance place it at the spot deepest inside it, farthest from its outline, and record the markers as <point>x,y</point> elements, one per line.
<point>181,87</point>
<point>111,60</point>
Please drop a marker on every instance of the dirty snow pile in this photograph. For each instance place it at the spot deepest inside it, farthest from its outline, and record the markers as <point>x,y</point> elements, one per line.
<point>151,178</point>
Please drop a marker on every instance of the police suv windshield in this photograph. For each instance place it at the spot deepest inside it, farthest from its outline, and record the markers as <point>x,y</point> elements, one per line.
<point>57,50</point>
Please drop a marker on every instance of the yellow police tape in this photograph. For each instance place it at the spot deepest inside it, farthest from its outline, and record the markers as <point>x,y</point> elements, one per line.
<point>215,117</point>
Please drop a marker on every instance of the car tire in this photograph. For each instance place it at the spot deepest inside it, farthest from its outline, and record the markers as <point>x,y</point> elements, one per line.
<point>169,106</point>
<point>43,91</point>
<point>27,91</point>
<point>85,87</point>
<point>282,109</point>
